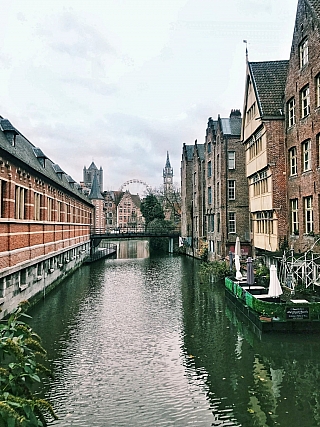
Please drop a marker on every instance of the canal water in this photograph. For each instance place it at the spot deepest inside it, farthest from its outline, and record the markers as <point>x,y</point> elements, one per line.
<point>149,342</point>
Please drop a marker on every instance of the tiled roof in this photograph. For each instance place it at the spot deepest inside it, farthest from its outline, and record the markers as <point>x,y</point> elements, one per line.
<point>315,5</point>
<point>189,151</point>
<point>231,126</point>
<point>269,79</point>
<point>200,151</point>
<point>25,152</point>
<point>95,189</point>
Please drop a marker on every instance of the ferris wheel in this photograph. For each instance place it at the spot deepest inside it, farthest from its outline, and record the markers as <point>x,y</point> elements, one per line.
<point>135,186</point>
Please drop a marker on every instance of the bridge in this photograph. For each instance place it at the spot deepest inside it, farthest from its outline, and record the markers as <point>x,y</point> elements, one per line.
<point>132,232</point>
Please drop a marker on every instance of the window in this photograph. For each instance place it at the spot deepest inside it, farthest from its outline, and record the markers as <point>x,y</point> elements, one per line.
<point>231,160</point>
<point>294,216</point>
<point>308,214</point>
<point>318,148</point>
<point>211,222</point>
<point>291,112</point>
<point>209,195</point>
<point>20,202</point>
<point>232,222</point>
<point>305,102</point>
<point>2,193</point>
<point>37,206</point>
<point>218,223</point>
<point>209,169</point>
<point>304,53</point>
<point>318,91</point>
<point>265,222</point>
<point>260,183</point>
<point>209,147</point>
<point>49,209</point>
<point>306,155</point>
<point>251,112</point>
<point>231,189</point>
<point>293,161</point>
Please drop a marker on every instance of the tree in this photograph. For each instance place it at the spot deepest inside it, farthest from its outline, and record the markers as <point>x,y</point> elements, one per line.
<point>20,369</point>
<point>151,208</point>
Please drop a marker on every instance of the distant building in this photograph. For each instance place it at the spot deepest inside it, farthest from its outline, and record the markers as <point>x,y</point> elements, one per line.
<point>98,201</point>
<point>128,211</point>
<point>88,176</point>
<point>167,176</point>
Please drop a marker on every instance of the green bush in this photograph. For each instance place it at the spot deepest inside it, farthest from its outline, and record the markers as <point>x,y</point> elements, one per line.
<point>20,369</point>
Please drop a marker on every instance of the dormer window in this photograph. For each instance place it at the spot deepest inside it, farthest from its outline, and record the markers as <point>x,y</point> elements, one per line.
<point>304,53</point>
<point>9,131</point>
<point>58,170</point>
<point>40,156</point>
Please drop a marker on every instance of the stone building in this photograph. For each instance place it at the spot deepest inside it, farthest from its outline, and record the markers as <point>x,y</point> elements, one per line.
<point>88,176</point>
<point>99,217</point>
<point>226,190</point>
<point>264,138</point>
<point>302,106</point>
<point>44,221</point>
<point>187,196</point>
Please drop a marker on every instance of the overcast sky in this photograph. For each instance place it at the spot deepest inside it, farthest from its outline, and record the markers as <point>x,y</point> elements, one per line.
<point>121,82</point>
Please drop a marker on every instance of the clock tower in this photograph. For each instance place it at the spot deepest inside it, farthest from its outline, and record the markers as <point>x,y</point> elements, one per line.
<point>168,176</point>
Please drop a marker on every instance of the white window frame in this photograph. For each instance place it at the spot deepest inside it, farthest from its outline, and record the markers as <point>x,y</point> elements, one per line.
<point>306,155</point>
<point>231,189</point>
<point>305,101</point>
<point>308,214</point>
<point>304,53</point>
<point>293,161</point>
<point>291,112</point>
<point>294,216</point>
<point>232,222</point>
<point>318,90</point>
<point>231,159</point>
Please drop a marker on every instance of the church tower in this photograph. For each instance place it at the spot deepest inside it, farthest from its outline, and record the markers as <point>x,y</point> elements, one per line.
<point>168,176</point>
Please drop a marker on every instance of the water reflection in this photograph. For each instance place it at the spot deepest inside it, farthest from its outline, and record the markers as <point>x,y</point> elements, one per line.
<point>130,249</point>
<point>148,342</point>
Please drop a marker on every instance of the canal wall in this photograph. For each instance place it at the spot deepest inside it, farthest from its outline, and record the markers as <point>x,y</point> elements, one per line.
<point>32,280</point>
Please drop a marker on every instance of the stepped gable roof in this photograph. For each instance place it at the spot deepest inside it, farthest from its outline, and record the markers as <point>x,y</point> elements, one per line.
<point>95,189</point>
<point>269,79</point>
<point>24,152</point>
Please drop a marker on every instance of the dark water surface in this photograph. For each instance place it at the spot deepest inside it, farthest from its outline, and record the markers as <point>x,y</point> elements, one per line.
<point>144,342</point>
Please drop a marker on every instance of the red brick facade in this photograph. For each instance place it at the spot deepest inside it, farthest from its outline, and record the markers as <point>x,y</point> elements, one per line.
<point>44,221</point>
<point>303,129</point>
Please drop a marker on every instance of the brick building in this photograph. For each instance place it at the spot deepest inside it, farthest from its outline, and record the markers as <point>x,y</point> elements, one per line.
<point>214,191</point>
<point>264,138</point>
<point>226,195</point>
<point>187,196</point>
<point>302,104</point>
<point>128,211</point>
<point>44,220</point>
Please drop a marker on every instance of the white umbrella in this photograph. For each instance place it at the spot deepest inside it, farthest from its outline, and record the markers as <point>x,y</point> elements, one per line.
<point>237,255</point>
<point>275,289</point>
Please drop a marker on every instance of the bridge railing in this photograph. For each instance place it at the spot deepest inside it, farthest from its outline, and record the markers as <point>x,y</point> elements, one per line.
<point>139,230</point>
